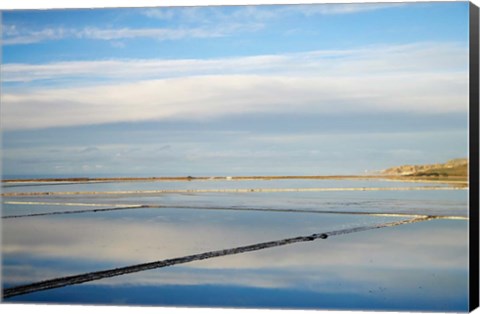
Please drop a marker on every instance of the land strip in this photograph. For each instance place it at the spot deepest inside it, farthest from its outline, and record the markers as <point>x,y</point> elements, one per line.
<point>450,179</point>
<point>261,190</point>
<point>66,212</point>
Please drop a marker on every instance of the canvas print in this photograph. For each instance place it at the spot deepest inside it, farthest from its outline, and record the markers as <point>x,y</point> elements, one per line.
<point>254,156</point>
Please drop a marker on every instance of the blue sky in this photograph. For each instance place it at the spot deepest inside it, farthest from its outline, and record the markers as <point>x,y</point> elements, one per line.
<point>298,89</point>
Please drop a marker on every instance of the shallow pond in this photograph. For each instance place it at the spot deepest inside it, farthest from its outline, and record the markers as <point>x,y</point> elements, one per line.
<point>418,266</point>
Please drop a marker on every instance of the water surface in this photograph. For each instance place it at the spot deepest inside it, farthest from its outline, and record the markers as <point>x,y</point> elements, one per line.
<point>421,266</point>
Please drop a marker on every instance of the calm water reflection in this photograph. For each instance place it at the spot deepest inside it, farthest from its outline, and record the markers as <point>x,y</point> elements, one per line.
<point>422,266</point>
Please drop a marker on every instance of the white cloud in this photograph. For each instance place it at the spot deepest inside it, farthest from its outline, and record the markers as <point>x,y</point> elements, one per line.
<point>193,22</point>
<point>413,58</point>
<point>13,36</point>
<point>25,36</point>
<point>218,15</point>
<point>154,33</point>
<point>342,8</point>
<point>158,13</point>
<point>213,96</point>
<point>259,13</point>
<point>425,78</point>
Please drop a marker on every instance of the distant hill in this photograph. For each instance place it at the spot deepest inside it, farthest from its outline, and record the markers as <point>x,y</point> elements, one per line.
<point>453,168</point>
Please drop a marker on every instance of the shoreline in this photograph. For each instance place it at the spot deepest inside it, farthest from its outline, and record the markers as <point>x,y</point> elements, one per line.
<point>244,190</point>
<point>447,180</point>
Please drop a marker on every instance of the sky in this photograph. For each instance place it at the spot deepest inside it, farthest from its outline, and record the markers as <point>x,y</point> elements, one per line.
<point>237,90</point>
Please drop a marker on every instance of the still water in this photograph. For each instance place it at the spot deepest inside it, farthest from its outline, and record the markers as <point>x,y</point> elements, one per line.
<point>419,266</point>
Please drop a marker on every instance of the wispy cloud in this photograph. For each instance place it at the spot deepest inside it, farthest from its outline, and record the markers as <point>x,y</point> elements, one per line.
<point>12,35</point>
<point>261,13</point>
<point>344,8</point>
<point>25,36</point>
<point>399,79</point>
<point>154,33</point>
<point>217,14</point>
<point>20,35</point>
<point>191,22</point>
<point>213,96</point>
<point>373,60</point>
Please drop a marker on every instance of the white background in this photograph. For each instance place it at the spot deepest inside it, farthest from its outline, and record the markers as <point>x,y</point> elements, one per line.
<point>57,309</point>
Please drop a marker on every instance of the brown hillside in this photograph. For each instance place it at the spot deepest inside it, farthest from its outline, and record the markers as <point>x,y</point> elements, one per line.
<point>452,168</point>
